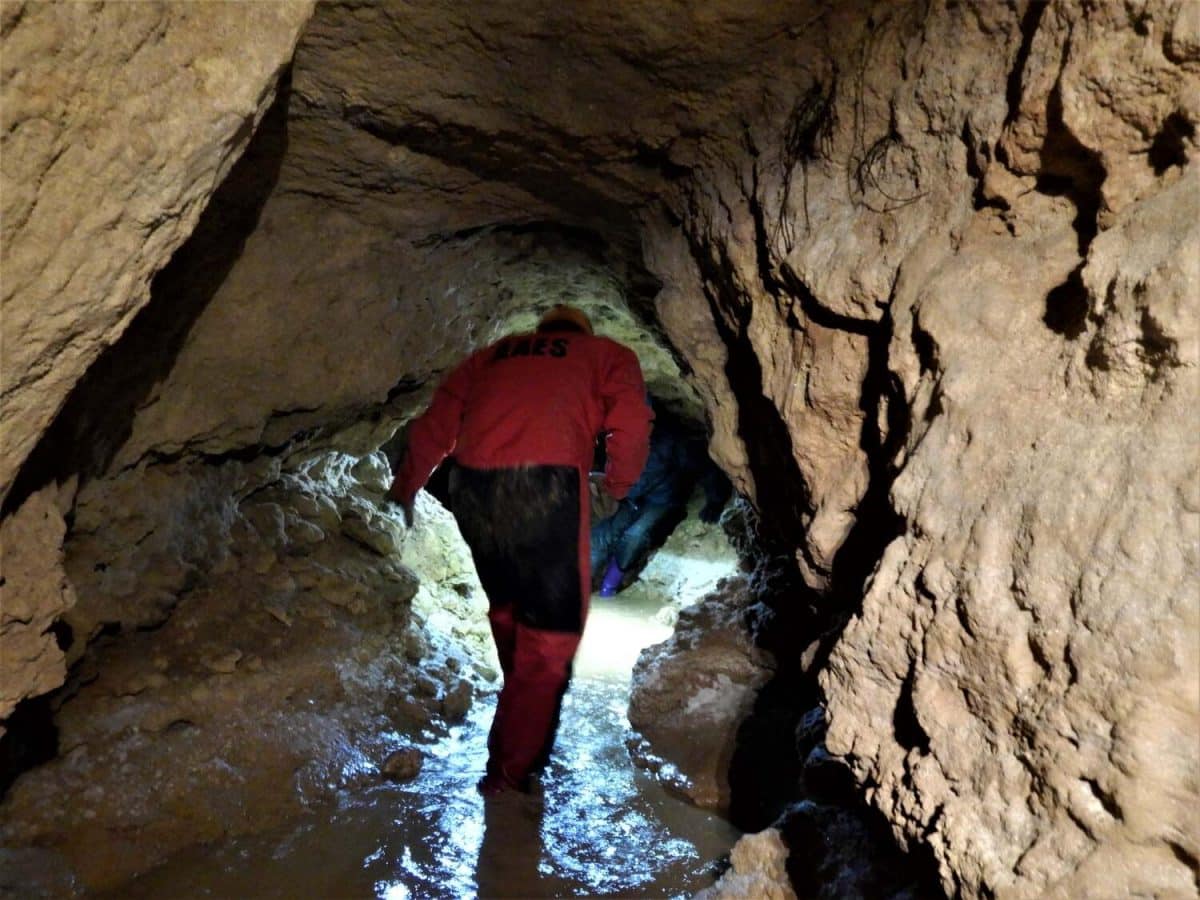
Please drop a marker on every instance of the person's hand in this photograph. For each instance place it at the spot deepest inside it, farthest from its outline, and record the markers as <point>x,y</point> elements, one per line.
<point>604,505</point>
<point>405,504</point>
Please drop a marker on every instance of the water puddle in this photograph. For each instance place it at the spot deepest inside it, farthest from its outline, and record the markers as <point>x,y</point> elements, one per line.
<point>602,828</point>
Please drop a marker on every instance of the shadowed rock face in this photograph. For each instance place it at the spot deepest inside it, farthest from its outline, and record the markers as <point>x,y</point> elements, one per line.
<point>930,271</point>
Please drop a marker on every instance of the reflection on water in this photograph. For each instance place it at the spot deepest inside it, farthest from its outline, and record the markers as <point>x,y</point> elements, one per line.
<point>601,827</point>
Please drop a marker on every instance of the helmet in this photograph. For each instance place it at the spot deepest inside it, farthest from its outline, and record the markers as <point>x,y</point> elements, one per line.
<point>572,315</point>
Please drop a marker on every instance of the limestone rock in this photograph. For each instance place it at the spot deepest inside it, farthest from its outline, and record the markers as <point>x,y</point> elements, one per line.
<point>931,270</point>
<point>403,765</point>
<point>1050,550</point>
<point>119,121</point>
<point>457,701</point>
<point>34,594</point>
<point>690,694</point>
<point>757,871</point>
<point>261,689</point>
<point>317,362</point>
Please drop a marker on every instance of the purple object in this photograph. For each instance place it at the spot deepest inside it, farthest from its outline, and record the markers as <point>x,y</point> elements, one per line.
<point>612,580</point>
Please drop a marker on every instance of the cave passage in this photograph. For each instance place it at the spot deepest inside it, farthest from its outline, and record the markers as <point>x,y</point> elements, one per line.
<point>602,827</point>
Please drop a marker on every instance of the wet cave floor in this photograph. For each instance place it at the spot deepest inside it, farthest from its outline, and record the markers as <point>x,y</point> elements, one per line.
<point>603,828</point>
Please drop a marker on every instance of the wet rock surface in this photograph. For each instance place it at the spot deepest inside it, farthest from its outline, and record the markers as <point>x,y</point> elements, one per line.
<point>756,870</point>
<point>692,692</point>
<point>598,825</point>
<point>250,659</point>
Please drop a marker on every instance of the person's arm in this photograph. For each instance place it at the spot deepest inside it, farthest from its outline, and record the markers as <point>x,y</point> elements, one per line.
<point>432,437</point>
<point>626,422</point>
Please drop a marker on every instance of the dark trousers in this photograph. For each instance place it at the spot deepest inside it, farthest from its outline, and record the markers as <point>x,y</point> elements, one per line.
<point>626,535</point>
<point>523,528</point>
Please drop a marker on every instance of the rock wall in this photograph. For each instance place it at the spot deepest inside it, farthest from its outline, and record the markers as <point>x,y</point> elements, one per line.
<point>119,121</point>
<point>34,594</point>
<point>950,268</point>
<point>951,263</point>
<point>693,691</point>
<point>1020,692</point>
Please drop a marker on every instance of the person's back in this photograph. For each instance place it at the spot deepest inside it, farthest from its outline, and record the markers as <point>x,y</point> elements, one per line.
<point>538,398</point>
<point>534,398</point>
<point>521,418</point>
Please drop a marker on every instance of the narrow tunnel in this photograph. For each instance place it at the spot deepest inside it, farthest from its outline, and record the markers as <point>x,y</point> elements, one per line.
<point>923,276</point>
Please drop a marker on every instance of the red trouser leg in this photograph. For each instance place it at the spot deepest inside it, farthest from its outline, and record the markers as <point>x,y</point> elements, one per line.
<point>504,633</point>
<point>527,712</point>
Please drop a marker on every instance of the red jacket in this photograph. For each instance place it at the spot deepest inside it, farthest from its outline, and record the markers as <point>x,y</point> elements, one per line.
<point>533,399</point>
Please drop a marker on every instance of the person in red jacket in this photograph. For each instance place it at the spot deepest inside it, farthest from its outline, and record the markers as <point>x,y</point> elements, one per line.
<point>520,419</point>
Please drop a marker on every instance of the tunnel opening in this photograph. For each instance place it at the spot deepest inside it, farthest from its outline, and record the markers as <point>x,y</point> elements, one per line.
<point>238,590</point>
<point>218,549</point>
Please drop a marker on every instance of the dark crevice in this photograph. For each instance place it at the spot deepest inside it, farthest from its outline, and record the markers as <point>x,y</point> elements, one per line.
<point>30,739</point>
<point>764,756</point>
<point>762,246</point>
<point>979,200</point>
<point>766,771</point>
<point>821,315</point>
<point>1159,350</point>
<point>1029,26</point>
<point>826,848</point>
<point>782,497</point>
<point>1189,859</point>
<point>1067,306</point>
<point>876,523</point>
<point>1104,798</point>
<point>97,417</point>
<point>1071,170</point>
<point>1169,147</point>
<point>403,387</point>
<point>909,733</point>
<point>659,160</point>
<point>64,635</point>
<point>925,347</point>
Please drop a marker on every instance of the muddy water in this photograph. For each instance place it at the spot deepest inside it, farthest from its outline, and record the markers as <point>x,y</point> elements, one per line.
<point>601,828</point>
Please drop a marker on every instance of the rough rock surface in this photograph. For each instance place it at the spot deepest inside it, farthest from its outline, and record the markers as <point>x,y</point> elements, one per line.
<point>756,871</point>
<point>1063,569</point>
<point>1021,691</point>
<point>691,692</point>
<point>34,594</point>
<point>258,652</point>
<point>326,318</point>
<point>119,121</point>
